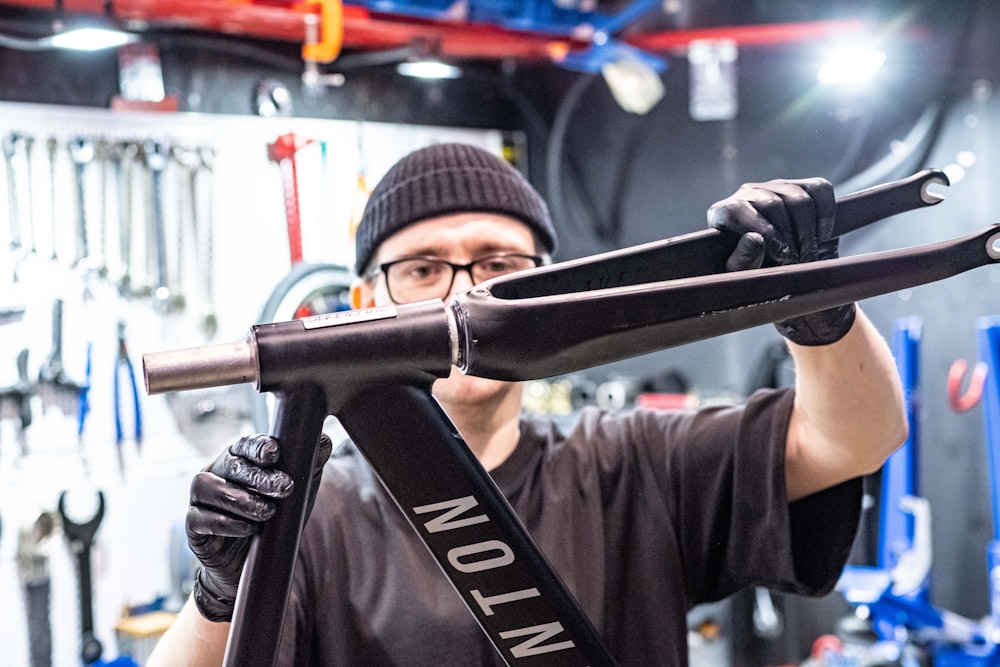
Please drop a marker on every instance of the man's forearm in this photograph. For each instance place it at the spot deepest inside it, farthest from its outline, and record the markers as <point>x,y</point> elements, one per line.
<point>849,414</point>
<point>192,641</point>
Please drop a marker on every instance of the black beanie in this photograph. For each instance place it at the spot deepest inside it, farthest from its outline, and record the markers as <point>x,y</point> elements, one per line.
<point>448,178</point>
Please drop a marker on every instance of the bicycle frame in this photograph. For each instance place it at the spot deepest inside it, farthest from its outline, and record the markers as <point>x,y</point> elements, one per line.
<point>373,369</point>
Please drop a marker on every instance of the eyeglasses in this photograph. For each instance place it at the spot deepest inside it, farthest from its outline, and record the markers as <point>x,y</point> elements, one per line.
<point>412,279</point>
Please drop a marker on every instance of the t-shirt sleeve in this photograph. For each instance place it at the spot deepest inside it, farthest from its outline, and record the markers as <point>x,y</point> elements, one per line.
<point>723,477</point>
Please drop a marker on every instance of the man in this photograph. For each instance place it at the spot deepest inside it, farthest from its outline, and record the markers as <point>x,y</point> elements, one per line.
<point>643,513</point>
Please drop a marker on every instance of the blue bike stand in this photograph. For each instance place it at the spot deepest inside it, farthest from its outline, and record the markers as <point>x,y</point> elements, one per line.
<point>905,611</point>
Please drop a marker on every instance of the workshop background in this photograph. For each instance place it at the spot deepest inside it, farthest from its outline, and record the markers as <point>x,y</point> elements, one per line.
<point>148,202</point>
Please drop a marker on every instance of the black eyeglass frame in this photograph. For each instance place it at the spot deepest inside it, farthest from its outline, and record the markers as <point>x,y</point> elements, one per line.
<point>455,268</point>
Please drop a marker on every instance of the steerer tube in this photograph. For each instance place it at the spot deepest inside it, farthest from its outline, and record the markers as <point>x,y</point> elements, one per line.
<point>200,367</point>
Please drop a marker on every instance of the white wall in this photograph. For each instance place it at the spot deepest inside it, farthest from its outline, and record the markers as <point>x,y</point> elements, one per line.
<point>242,201</point>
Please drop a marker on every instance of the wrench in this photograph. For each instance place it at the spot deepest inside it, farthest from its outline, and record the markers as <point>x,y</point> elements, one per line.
<point>81,150</point>
<point>103,154</point>
<point>33,570</point>
<point>9,146</point>
<point>155,155</point>
<point>52,147</point>
<point>123,157</point>
<point>194,163</point>
<point>29,144</point>
<point>80,539</point>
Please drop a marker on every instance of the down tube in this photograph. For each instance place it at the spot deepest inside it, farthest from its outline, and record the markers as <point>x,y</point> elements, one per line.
<point>267,575</point>
<point>470,529</point>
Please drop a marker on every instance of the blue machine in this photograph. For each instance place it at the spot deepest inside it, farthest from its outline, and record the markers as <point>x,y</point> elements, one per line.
<point>567,19</point>
<point>895,592</point>
<point>988,335</point>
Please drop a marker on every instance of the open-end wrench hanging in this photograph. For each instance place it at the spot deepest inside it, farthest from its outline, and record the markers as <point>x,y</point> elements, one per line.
<point>52,148</point>
<point>165,298</point>
<point>80,539</point>
<point>19,189</point>
<point>9,146</point>
<point>81,151</point>
<point>33,571</point>
<point>373,369</point>
<point>195,163</point>
<point>29,180</point>
<point>103,155</point>
<point>206,243</point>
<point>123,159</point>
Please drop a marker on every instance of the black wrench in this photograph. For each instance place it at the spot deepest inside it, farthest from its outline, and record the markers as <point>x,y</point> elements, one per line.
<point>80,538</point>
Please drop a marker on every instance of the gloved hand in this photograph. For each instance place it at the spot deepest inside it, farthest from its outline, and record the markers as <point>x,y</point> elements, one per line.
<point>787,222</point>
<point>230,499</point>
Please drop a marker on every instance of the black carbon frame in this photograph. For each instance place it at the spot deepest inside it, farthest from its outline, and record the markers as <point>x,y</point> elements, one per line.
<point>373,370</point>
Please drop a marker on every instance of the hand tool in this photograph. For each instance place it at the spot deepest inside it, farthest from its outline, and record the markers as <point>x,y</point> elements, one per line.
<point>282,151</point>
<point>123,364</point>
<point>83,404</point>
<point>80,539</point>
<point>206,243</point>
<point>361,366</point>
<point>81,151</point>
<point>29,144</point>
<point>21,219</point>
<point>33,571</point>
<point>10,314</point>
<point>9,146</point>
<point>20,394</point>
<point>52,148</point>
<point>123,159</point>
<point>103,155</point>
<point>194,163</point>
<point>165,299</point>
<point>54,386</point>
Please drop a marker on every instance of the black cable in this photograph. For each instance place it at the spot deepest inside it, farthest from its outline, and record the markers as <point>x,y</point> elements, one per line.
<point>623,178</point>
<point>20,44</point>
<point>231,47</point>
<point>927,129</point>
<point>557,139</point>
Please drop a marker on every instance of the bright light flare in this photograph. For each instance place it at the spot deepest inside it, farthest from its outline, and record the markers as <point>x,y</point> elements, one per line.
<point>851,66</point>
<point>90,39</point>
<point>429,69</point>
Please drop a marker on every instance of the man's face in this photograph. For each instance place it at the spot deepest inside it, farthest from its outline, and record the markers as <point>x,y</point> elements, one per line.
<point>459,238</point>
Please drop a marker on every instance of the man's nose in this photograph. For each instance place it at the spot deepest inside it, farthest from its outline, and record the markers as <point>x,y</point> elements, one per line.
<point>462,280</point>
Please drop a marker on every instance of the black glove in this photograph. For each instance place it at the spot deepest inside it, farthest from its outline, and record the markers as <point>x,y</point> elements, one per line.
<point>786,222</point>
<point>230,499</point>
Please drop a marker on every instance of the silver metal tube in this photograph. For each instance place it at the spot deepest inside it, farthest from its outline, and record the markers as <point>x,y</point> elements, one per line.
<point>200,367</point>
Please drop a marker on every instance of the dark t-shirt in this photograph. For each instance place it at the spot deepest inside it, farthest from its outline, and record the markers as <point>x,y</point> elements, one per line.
<point>643,514</point>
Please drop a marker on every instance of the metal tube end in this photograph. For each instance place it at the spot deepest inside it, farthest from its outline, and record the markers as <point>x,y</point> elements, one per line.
<point>199,367</point>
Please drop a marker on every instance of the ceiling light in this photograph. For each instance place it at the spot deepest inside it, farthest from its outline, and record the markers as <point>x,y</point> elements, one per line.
<point>851,66</point>
<point>429,69</point>
<point>90,39</point>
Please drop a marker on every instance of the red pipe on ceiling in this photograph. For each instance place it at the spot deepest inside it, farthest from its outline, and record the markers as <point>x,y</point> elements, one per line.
<point>284,21</point>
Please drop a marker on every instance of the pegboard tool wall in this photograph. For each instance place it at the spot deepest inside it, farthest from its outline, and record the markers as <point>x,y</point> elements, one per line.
<point>87,240</point>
